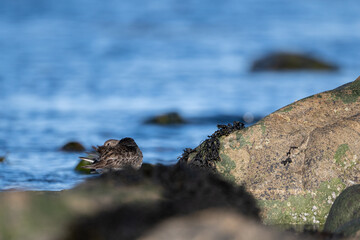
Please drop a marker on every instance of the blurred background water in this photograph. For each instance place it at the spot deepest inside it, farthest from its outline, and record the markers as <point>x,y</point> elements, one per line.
<point>93,70</point>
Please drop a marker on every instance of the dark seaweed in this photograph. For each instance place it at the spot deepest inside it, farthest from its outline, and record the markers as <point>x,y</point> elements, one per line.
<point>207,154</point>
<point>288,159</point>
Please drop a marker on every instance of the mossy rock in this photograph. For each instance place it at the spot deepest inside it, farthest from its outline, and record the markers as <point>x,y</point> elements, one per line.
<point>345,212</point>
<point>297,160</point>
<point>350,229</point>
<point>79,168</point>
<point>291,61</point>
<point>73,147</point>
<point>166,119</point>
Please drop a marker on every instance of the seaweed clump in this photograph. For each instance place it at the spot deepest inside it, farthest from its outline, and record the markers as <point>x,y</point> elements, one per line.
<point>207,154</point>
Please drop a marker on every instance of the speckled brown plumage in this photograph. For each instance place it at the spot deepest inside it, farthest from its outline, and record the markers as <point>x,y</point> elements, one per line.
<point>115,155</point>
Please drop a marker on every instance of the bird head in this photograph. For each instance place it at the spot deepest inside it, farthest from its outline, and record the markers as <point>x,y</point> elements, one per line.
<point>111,143</point>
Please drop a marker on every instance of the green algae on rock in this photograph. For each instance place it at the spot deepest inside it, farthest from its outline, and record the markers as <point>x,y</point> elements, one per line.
<point>344,216</point>
<point>291,154</point>
<point>79,167</point>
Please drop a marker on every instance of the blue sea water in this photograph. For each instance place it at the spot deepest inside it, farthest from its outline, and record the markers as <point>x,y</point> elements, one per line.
<point>93,70</point>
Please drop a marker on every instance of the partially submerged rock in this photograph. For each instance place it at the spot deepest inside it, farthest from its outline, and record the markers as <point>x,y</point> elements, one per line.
<point>73,147</point>
<point>297,160</point>
<point>166,119</point>
<point>290,61</point>
<point>344,215</point>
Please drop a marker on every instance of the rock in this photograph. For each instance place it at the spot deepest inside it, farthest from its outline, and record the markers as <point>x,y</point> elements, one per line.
<point>166,119</point>
<point>79,168</point>
<point>119,205</point>
<point>183,191</point>
<point>344,215</point>
<point>350,229</point>
<point>73,147</point>
<point>290,61</point>
<point>47,215</point>
<point>297,160</point>
<point>215,224</point>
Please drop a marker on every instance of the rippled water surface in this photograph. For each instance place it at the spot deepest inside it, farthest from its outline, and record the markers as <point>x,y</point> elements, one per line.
<point>89,70</point>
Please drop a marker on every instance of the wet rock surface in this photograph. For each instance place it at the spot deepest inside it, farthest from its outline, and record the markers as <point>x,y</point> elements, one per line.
<point>344,215</point>
<point>297,160</point>
<point>73,147</point>
<point>291,61</point>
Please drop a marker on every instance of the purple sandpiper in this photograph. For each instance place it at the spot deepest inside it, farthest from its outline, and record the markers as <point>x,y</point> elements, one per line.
<point>115,155</point>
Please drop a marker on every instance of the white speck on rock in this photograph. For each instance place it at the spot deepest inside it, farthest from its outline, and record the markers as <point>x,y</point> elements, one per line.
<point>333,195</point>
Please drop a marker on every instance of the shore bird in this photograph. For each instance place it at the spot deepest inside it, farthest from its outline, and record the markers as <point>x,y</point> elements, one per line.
<point>115,155</point>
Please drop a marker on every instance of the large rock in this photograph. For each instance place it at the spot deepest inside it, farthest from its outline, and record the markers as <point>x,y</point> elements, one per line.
<point>297,160</point>
<point>291,61</point>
